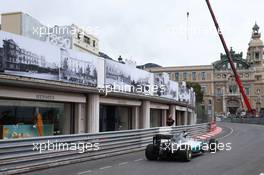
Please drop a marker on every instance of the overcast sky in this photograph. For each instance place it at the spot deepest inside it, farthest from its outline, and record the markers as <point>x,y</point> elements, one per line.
<point>153,31</point>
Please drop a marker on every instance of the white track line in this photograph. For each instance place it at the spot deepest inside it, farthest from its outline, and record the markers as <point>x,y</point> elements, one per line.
<point>85,172</point>
<point>137,160</point>
<point>123,163</point>
<point>105,167</point>
<point>231,132</point>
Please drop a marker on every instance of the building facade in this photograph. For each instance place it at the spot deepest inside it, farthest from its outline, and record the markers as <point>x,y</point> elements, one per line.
<point>68,36</point>
<point>221,93</point>
<point>47,89</point>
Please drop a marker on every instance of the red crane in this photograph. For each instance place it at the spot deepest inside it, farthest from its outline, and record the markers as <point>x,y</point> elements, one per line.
<point>238,80</point>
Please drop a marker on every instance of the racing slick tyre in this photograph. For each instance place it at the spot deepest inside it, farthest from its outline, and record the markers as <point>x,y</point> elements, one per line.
<point>151,152</point>
<point>213,145</point>
<point>202,148</point>
<point>185,153</point>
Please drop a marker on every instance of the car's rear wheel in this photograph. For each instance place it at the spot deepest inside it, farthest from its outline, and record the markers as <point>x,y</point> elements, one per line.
<point>151,152</point>
<point>213,145</point>
<point>186,153</point>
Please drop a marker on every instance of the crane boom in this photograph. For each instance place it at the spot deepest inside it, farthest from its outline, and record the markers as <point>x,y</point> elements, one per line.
<point>237,77</point>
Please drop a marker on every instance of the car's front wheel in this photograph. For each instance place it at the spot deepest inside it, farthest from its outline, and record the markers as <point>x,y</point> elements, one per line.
<point>151,152</point>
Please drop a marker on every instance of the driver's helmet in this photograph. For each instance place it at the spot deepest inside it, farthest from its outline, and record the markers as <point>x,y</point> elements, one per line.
<point>185,134</point>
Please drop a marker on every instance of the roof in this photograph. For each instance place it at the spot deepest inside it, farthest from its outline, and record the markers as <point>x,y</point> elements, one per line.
<point>103,55</point>
<point>148,65</point>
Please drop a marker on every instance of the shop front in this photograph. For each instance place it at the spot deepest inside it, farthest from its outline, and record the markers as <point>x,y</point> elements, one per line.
<point>23,119</point>
<point>118,114</point>
<point>115,118</point>
<point>26,113</point>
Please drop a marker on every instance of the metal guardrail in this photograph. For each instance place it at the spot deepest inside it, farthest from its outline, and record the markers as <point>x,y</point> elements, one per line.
<point>244,120</point>
<point>17,155</point>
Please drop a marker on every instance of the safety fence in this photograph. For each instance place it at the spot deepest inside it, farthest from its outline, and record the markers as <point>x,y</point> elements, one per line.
<point>24,155</point>
<point>255,120</point>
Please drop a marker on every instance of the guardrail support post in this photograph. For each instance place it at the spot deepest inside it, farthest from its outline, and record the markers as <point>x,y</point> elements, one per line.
<point>93,107</point>
<point>146,114</point>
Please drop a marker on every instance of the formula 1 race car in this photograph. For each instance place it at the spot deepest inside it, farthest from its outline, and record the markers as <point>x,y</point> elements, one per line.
<point>178,146</point>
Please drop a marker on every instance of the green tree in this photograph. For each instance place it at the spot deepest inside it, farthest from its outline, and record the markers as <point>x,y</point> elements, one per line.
<point>198,91</point>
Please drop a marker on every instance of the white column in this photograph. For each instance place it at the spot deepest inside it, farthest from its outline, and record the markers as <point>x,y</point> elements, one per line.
<point>79,118</point>
<point>172,113</point>
<point>193,118</point>
<point>93,108</point>
<point>190,117</point>
<point>135,117</point>
<point>186,118</point>
<point>145,114</point>
<point>224,102</point>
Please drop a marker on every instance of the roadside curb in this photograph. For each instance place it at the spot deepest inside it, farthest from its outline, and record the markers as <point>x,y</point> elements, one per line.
<point>210,134</point>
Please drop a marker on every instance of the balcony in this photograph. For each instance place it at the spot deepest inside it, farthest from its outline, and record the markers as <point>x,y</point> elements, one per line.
<point>236,94</point>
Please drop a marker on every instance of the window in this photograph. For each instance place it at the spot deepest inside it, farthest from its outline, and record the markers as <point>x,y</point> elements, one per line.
<point>169,75</point>
<point>203,75</point>
<point>257,55</point>
<point>79,35</point>
<point>94,43</point>
<point>185,74</point>
<point>86,39</point>
<point>115,118</point>
<point>194,75</point>
<point>204,89</point>
<point>155,117</point>
<point>20,118</point>
<point>232,89</point>
<point>177,76</point>
<point>219,91</point>
<point>258,77</point>
<point>247,90</point>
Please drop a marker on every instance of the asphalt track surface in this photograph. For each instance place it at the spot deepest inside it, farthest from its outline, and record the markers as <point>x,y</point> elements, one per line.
<point>245,158</point>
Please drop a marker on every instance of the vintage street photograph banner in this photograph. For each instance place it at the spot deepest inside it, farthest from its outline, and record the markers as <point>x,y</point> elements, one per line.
<point>77,67</point>
<point>28,57</point>
<point>166,87</point>
<point>127,78</point>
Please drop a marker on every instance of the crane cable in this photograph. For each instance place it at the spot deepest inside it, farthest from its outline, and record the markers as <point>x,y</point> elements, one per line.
<point>187,22</point>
